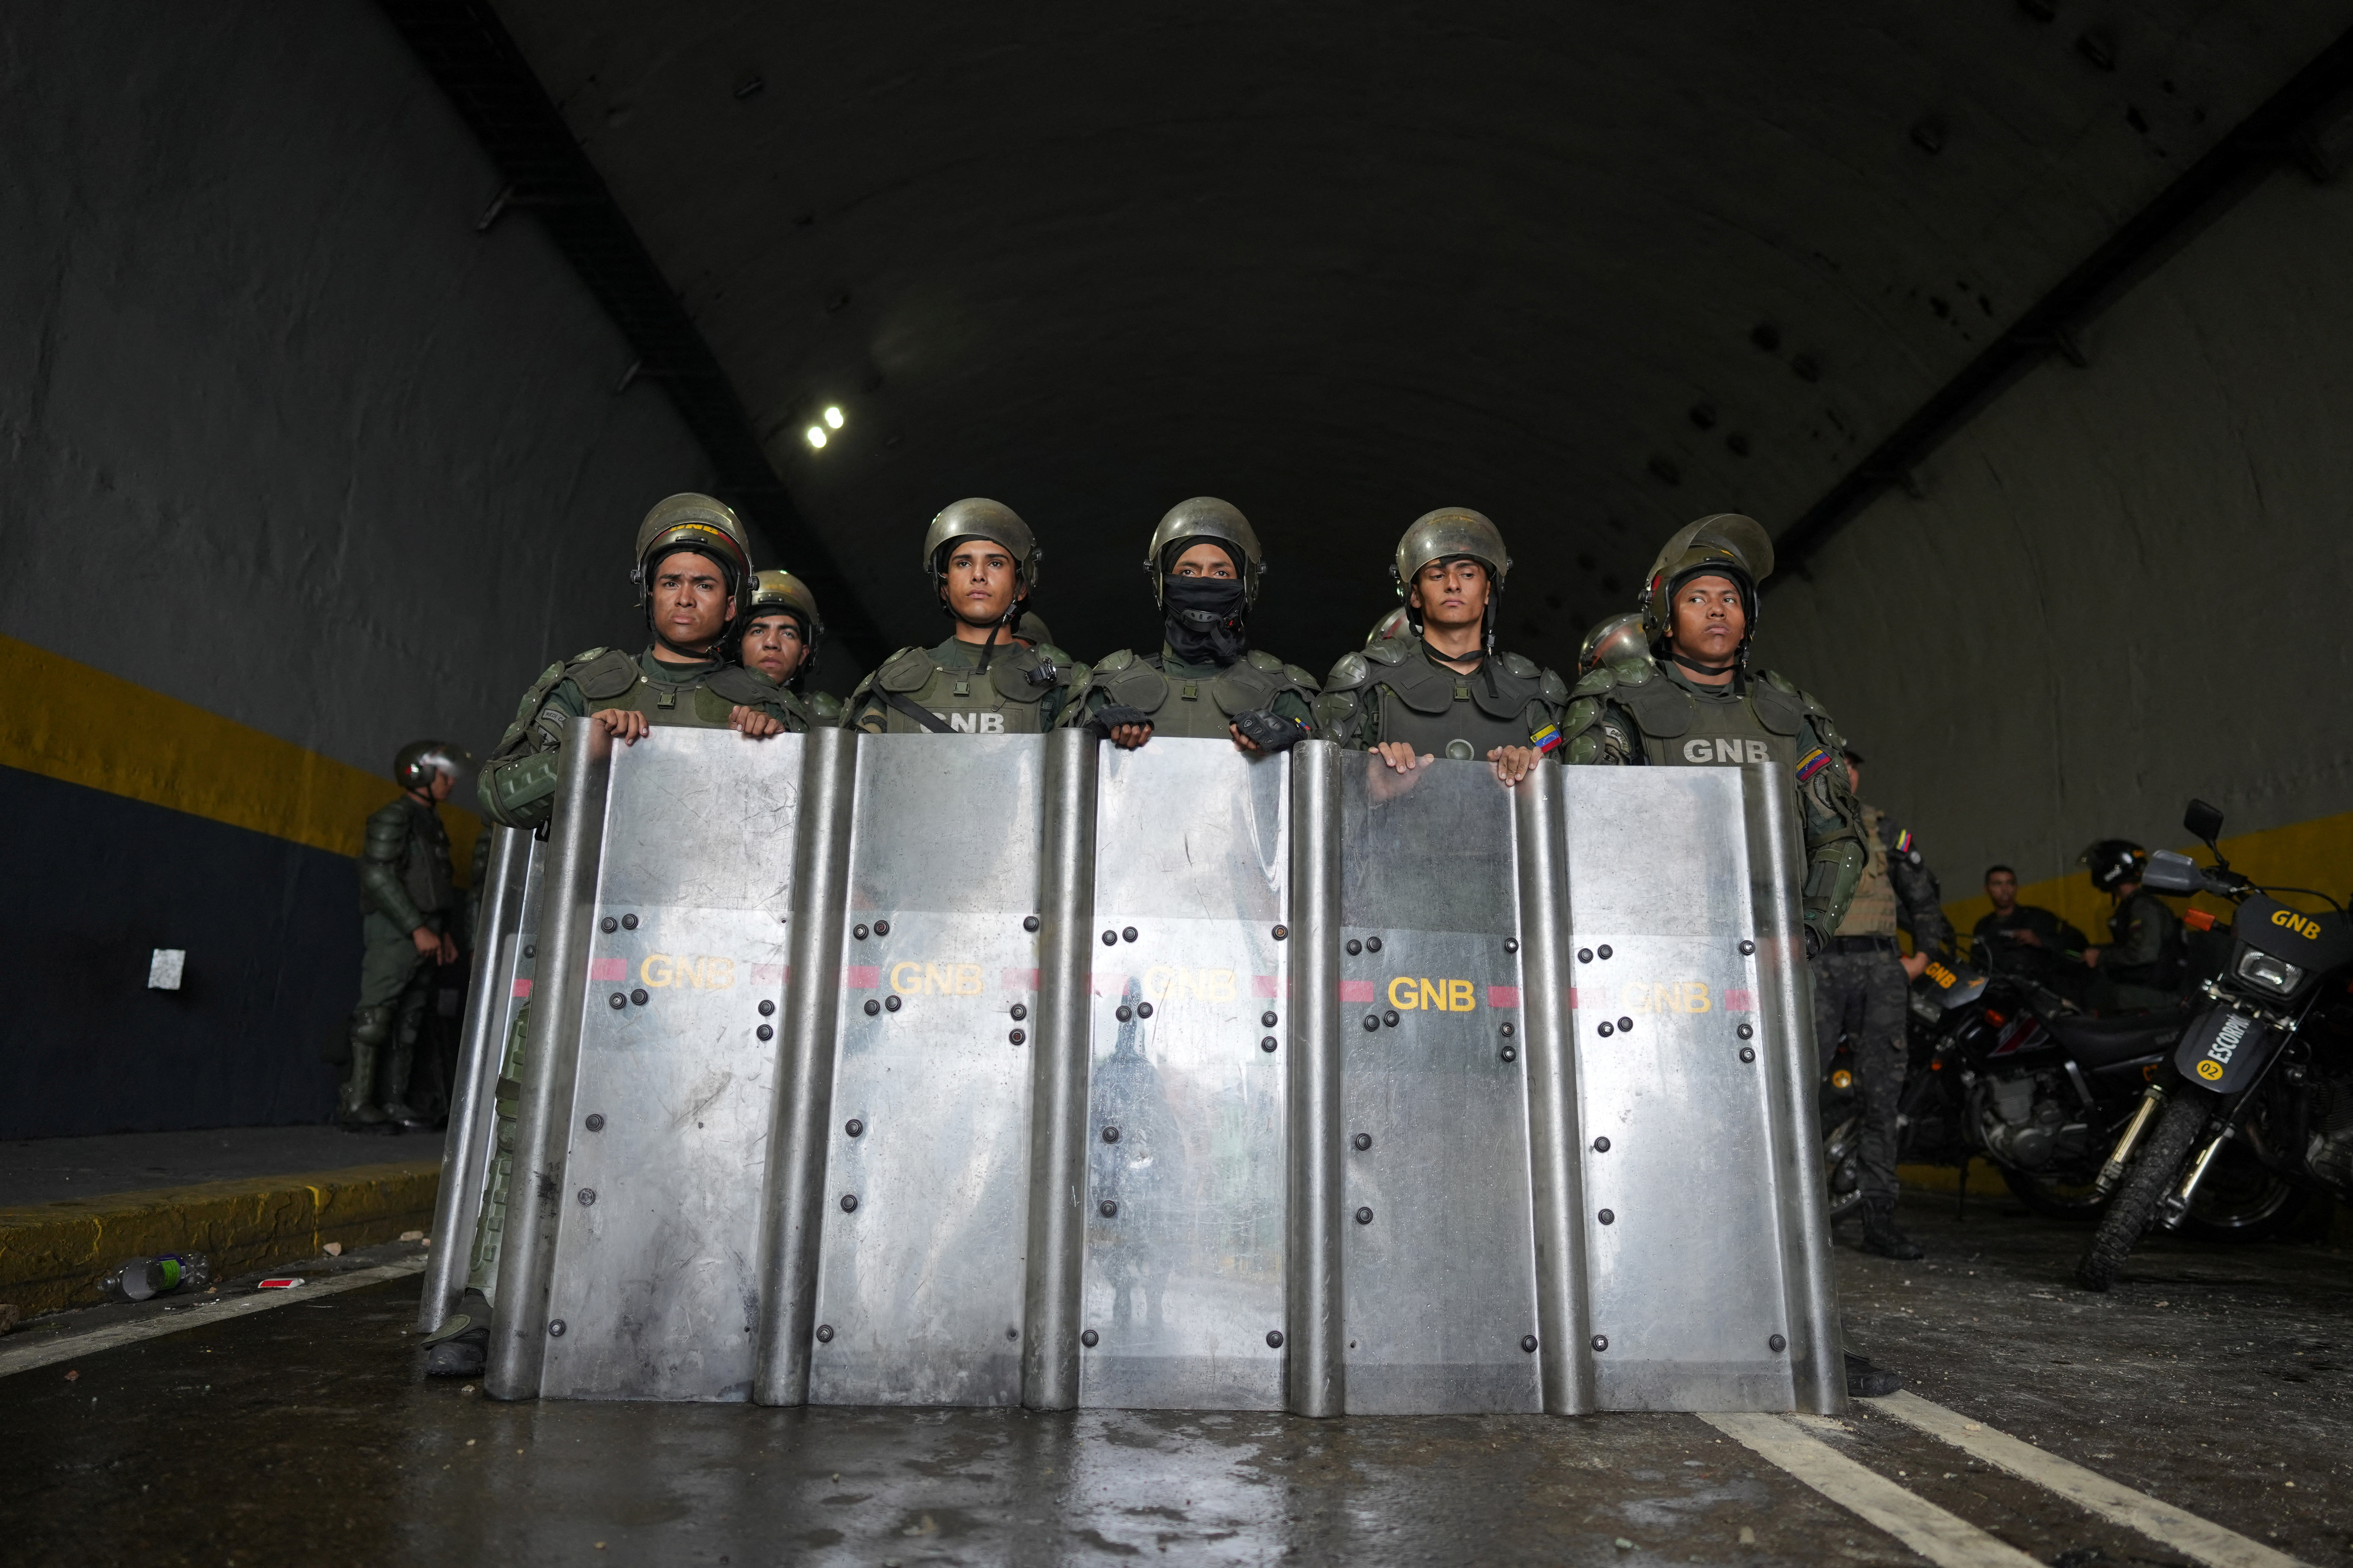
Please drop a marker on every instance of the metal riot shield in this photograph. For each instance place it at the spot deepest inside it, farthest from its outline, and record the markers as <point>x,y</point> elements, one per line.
<point>1438,1264</point>
<point>477,1149</point>
<point>1184,1252</point>
<point>653,1293</point>
<point>920,1289</point>
<point>1705,1229</point>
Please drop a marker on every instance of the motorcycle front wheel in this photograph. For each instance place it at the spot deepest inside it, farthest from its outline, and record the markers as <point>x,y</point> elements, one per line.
<point>2155,1174</point>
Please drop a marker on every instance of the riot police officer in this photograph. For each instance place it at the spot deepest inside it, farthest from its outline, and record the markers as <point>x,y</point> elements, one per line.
<point>409,917</point>
<point>985,680</point>
<point>781,633</point>
<point>694,564</point>
<point>1688,698</point>
<point>1859,988</point>
<point>1206,681</point>
<point>1619,637</point>
<point>1445,691</point>
<point>2144,961</point>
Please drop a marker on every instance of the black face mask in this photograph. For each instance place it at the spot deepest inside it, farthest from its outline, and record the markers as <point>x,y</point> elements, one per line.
<point>1205,619</point>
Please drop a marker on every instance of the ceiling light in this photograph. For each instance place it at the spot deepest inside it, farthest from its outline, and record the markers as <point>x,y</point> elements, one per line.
<point>833,417</point>
<point>817,435</point>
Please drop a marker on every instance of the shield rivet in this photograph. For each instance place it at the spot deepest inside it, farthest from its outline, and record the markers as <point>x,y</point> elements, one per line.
<point>1372,1021</point>
<point>1029,922</point>
<point>872,1006</point>
<point>1091,1338</point>
<point>618,1000</point>
<point>1274,1339</point>
<point>1601,1341</point>
<point>1372,944</point>
<point>1363,1141</point>
<point>1355,947</point>
<point>1603,950</point>
<point>1390,1018</point>
<point>1280,932</point>
<point>853,1127</point>
<point>1511,944</point>
<point>531,951</point>
<point>1127,934</point>
<point>1020,1011</point>
<point>768,1009</point>
<point>1605,1030</point>
<point>858,932</point>
<point>1528,1343</point>
<point>1019,1037</point>
<point>608,925</point>
<point>1748,1053</point>
<point>1266,1020</point>
<point>595,1122</point>
<point>891,1004</point>
<point>1607,1216</point>
<point>1747,947</point>
<point>555,1327</point>
<point>1111,1134</point>
<point>587,1196</point>
<point>1602,1145</point>
<point>639,997</point>
<point>1108,1209</point>
<point>1144,1009</point>
<point>629,922</point>
<point>1013,1333</point>
<point>1510,1054</point>
<point>881,928</point>
<point>1122,1012</point>
<point>824,1334</point>
<point>1267,1043</point>
<point>1777,1344</point>
<point>1111,938</point>
<point>765,1032</point>
<point>1584,955</point>
<point>1625,1025</point>
<point>1364,1216</point>
<point>1509,1031</point>
<point>850,1202</point>
<point>1745,1031</point>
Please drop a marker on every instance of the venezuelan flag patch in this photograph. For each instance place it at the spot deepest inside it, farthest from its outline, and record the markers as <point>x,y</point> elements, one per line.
<point>1903,842</point>
<point>1545,739</point>
<point>1812,763</point>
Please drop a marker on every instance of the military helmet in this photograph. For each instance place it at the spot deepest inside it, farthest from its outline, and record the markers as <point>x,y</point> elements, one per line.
<point>1389,626</point>
<point>414,765</point>
<point>2114,862</point>
<point>1722,544</point>
<point>779,591</point>
<point>1204,518</point>
<point>1441,535</point>
<point>976,517</point>
<point>1610,641</point>
<point>698,522</point>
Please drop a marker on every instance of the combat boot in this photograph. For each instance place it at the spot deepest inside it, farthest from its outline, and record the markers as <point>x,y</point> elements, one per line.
<point>461,1347</point>
<point>397,1072</point>
<point>1866,1381</point>
<point>359,1086</point>
<point>1880,1235</point>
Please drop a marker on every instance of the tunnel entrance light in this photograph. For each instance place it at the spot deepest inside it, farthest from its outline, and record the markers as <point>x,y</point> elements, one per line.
<point>815,435</point>
<point>833,418</point>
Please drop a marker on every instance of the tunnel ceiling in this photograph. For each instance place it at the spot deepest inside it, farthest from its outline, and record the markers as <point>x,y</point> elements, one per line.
<point>1594,270</point>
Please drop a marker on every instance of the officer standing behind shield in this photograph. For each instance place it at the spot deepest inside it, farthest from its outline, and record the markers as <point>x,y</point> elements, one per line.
<point>1206,681</point>
<point>694,564</point>
<point>1689,700</point>
<point>1445,691</point>
<point>409,914</point>
<point>984,681</point>
<point>1860,985</point>
<point>781,633</point>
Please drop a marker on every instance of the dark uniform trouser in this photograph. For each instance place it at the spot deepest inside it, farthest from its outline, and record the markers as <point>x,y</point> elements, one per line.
<point>1862,997</point>
<point>395,983</point>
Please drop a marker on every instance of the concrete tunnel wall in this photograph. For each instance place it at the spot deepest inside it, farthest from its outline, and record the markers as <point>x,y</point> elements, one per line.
<point>289,444</point>
<point>2123,584</point>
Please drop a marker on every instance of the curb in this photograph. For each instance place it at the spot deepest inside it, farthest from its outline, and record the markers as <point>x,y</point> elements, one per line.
<point>53,1255</point>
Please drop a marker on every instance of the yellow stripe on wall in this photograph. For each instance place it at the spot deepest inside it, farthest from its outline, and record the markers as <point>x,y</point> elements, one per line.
<point>2314,854</point>
<point>70,721</point>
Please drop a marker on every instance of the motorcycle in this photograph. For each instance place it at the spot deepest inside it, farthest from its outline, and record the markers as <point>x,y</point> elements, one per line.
<point>2005,1067</point>
<point>2256,1109</point>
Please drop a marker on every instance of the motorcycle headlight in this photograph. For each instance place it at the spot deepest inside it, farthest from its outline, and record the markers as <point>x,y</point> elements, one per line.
<point>2276,975</point>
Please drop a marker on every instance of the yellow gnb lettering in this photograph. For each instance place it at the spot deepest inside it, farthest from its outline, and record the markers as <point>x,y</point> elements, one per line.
<point>709,972</point>
<point>1411,997</point>
<point>1458,996</point>
<point>1409,994</point>
<point>2302,927</point>
<point>899,973</point>
<point>655,970</point>
<point>1672,997</point>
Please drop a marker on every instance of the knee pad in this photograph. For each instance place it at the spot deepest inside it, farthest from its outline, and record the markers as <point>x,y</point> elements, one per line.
<point>371,1026</point>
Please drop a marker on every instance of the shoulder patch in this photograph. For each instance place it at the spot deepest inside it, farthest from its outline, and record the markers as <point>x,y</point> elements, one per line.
<point>1348,674</point>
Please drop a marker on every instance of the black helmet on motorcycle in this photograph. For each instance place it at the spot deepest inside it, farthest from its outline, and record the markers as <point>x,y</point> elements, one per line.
<point>2112,862</point>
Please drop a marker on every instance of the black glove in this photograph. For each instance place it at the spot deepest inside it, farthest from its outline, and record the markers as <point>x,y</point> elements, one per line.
<point>1269,731</point>
<point>1815,941</point>
<point>1115,714</point>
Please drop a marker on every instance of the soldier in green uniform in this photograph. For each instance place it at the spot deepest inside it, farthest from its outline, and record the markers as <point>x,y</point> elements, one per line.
<point>1445,691</point>
<point>2144,961</point>
<point>694,564</point>
<point>1206,682</point>
<point>1689,700</point>
<point>693,571</point>
<point>985,680</point>
<point>1860,989</point>
<point>780,634</point>
<point>409,916</point>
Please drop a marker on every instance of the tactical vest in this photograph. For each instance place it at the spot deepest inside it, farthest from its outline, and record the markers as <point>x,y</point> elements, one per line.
<point>1006,698</point>
<point>1441,713</point>
<point>614,680</point>
<point>427,874</point>
<point>1198,707</point>
<point>2172,962</point>
<point>1680,730</point>
<point>1874,911</point>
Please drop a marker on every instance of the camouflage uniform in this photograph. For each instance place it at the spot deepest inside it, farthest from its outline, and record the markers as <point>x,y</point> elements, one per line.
<point>2144,965</point>
<point>1860,989</point>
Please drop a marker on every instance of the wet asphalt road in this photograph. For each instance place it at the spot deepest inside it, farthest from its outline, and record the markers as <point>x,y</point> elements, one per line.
<point>303,1435</point>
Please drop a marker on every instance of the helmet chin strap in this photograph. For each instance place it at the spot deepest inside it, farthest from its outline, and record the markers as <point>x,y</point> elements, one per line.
<point>1694,665</point>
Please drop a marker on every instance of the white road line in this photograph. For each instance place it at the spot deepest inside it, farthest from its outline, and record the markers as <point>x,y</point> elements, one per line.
<point>1944,1539</point>
<point>49,1351</point>
<point>2161,1521</point>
